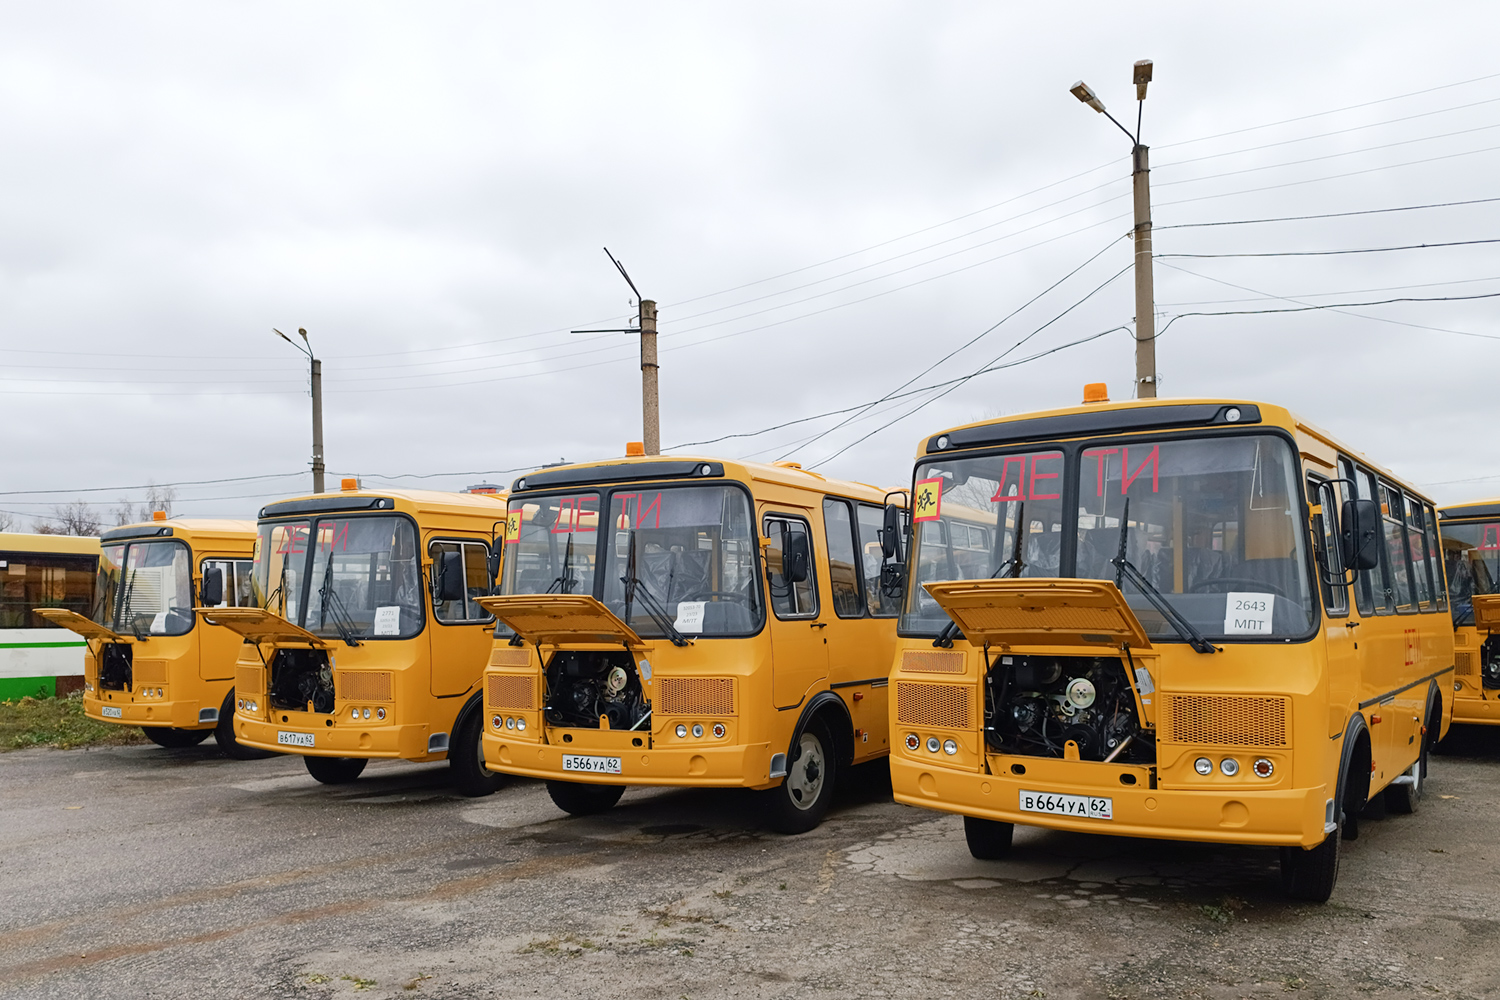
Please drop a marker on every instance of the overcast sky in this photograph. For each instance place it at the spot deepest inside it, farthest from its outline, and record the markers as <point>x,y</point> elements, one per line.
<point>823,200</point>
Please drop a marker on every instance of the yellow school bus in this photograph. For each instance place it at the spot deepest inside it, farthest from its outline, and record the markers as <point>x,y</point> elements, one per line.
<point>1470,535</point>
<point>693,622</point>
<point>1201,619</point>
<point>365,640</point>
<point>151,661</point>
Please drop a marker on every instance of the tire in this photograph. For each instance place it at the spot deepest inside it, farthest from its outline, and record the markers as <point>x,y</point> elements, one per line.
<point>175,739</point>
<point>466,757</point>
<point>335,770</point>
<point>800,802</point>
<point>989,840</point>
<point>224,735</point>
<point>1310,876</point>
<point>578,799</point>
<point>1406,798</point>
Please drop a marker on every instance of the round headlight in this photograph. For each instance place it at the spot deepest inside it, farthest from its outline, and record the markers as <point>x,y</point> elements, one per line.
<point>682,732</point>
<point>1203,765</point>
<point>697,731</point>
<point>949,747</point>
<point>932,744</point>
<point>510,723</point>
<point>380,713</point>
<point>498,722</point>
<point>1232,415</point>
<point>1229,766</point>
<point>912,741</point>
<point>520,724</point>
<point>1263,767</point>
<point>365,713</point>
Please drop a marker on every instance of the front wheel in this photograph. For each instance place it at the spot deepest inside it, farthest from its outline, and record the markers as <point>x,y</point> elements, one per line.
<point>175,739</point>
<point>335,770</point>
<point>577,799</point>
<point>466,758</point>
<point>224,735</point>
<point>1310,875</point>
<point>989,840</point>
<point>802,799</point>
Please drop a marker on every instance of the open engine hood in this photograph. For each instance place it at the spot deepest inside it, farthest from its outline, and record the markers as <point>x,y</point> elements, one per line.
<point>1041,612</point>
<point>1486,612</point>
<point>259,625</point>
<point>85,627</point>
<point>557,619</point>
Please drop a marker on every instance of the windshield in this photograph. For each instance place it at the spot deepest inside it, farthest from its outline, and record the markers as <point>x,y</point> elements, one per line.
<point>363,579</point>
<point>552,548</point>
<point>1471,553</point>
<point>1213,525</point>
<point>145,588</point>
<point>690,553</point>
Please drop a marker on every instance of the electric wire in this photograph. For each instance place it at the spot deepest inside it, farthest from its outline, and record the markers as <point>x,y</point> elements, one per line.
<point>1322,253</point>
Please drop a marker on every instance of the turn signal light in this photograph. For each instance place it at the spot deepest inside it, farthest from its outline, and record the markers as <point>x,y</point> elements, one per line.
<point>1263,767</point>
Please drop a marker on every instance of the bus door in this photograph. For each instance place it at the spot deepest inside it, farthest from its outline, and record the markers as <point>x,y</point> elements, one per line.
<point>219,648</point>
<point>1345,661</point>
<point>460,632</point>
<point>799,648</point>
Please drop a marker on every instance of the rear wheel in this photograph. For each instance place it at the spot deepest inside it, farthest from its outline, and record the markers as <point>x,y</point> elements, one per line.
<point>224,735</point>
<point>1405,797</point>
<point>989,840</point>
<point>175,739</point>
<point>335,770</point>
<point>577,799</point>
<point>466,757</point>
<point>802,799</point>
<point>1310,875</point>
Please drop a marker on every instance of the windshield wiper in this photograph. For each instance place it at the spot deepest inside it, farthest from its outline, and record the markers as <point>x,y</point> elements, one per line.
<point>1126,570</point>
<point>333,607</point>
<point>1009,569</point>
<point>280,587</point>
<point>648,600</point>
<point>135,619</point>
<point>563,584</point>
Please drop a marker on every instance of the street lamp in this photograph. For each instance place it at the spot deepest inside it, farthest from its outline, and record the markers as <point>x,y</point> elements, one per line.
<point>1140,175</point>
<point>317,403</point>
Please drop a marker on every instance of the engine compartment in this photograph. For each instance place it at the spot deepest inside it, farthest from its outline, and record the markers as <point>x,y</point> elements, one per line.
<point>1489,663</point>
<point>301,680</point>
<point>1035,705</point>
<point>115,662</point>
<point>583,685</point>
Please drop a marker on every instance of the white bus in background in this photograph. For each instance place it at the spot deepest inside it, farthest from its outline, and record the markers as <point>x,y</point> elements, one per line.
<point>38,658</point>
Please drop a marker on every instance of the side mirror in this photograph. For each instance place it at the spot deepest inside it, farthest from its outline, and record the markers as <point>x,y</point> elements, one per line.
<point>492,566</point>
<point>450,578</point>
<point>212,594</point>
<point>1359,534</point>
<point>890,533</point>
<point>795,561</point>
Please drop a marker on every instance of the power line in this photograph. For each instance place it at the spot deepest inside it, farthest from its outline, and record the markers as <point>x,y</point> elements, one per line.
<point>148,486</point>
<point>1323,253</point>
<point>1340,305</point>
<point>1326,215</point>
<point>1306,295</point>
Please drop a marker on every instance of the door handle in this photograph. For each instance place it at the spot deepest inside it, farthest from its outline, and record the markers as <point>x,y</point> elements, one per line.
<point>819,625</point>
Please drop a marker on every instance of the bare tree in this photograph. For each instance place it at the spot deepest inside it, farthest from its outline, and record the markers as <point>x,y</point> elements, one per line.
<point>75,518</point>
<point>158,498</point>
<point>7,522</point>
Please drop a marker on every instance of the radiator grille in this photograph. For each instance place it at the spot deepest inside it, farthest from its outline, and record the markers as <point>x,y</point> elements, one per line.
<point>148,672</point>
<point>696,696</point>
<point>249,680</point>
<point>1224,720</point>
<point>1463,663</point>
<point>944,705</point>
<point>510,656</point>
<point>363,685</point>
<point>932,661</point>
<point>512,691</point>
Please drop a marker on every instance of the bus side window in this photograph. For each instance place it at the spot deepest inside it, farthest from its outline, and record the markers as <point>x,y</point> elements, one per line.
<point>843,563</point>
<point>1434,559</point>
<point>790,598</point>
<point>1416,543</point>
<point>1362,597</point>
<point>1395,546</point>
<point>872,558</point>
<point>1381,588</point>
<point>1326,548</point>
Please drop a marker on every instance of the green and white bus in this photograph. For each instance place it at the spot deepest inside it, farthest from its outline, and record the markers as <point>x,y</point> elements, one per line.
<point>38,658</point>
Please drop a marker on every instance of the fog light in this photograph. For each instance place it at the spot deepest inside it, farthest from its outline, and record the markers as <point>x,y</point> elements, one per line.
<point>697,731</point>
<point>1203,765</point>
<point>380,713</point>
<point>682,732</point>
<point>498,722</point>
<point>510,723</point>
<point>932,744</point>
<point>365,713</point>
<point>718,730</point>
<point>1229,766</point>
<point>1263,767</point>
<point>520,724</point>
<point>912,742</point>
<point>950,748</point>
<point>354,714</point>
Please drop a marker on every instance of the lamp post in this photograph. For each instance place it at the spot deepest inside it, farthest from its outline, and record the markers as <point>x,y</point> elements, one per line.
<point>317,403</point>
<point>1140,176</point>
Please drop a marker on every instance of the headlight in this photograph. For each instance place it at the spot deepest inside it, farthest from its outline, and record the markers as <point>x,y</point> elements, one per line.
<point>354,713</point>
<point>932,744</point>
<point>913,742</point>
<point>365,713</point>
<point>1203,766</point>
<point>682,732</point>
<point>1263,767</point>
<point>1229,766</point>
<point>950,747</point>
<point>510,723</point>
<point>697,731</point>
<point>520,724</point>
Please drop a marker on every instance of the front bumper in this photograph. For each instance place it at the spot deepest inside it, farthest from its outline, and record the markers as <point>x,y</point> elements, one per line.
<point>1278,818</point>
<point>1476,711</point>
<point>732,766</point>
<point>135,711</point>
<point>341,739</point>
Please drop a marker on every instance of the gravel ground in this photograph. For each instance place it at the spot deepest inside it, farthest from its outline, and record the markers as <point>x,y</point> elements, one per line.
<point>142,872</point>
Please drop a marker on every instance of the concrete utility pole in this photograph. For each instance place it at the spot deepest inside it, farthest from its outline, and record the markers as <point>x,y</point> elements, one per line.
<point>646,327</point>
<point>317,403</point>
<point>1140,176</point>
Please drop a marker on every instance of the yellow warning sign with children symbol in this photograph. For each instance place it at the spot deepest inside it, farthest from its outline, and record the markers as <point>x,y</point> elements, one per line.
<point>927,500</point>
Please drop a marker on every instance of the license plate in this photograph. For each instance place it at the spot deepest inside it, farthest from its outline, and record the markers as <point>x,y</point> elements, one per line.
<point>596,765</point>
<point>1079,806</point>
<point>111,712</point>
<point>294,739</point>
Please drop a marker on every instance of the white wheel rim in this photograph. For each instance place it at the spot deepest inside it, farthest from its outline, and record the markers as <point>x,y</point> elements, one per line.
<point>804,783</point>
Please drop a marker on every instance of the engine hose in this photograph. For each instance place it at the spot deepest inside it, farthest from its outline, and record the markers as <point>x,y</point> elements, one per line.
<point>1120,749</point>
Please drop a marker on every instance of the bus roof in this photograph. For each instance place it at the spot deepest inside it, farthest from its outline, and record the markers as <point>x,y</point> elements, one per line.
<point>411,501</point>
<point>185,527</point>
<point>19,541</point>
<point>682,467</point>
<point>1474,508</point>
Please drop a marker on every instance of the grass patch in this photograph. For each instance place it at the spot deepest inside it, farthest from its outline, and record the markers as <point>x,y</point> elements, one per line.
<point>58,722</point>
<point>562,944</point>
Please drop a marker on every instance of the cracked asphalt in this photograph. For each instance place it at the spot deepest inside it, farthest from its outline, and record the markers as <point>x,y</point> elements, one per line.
<point>142,872</point>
